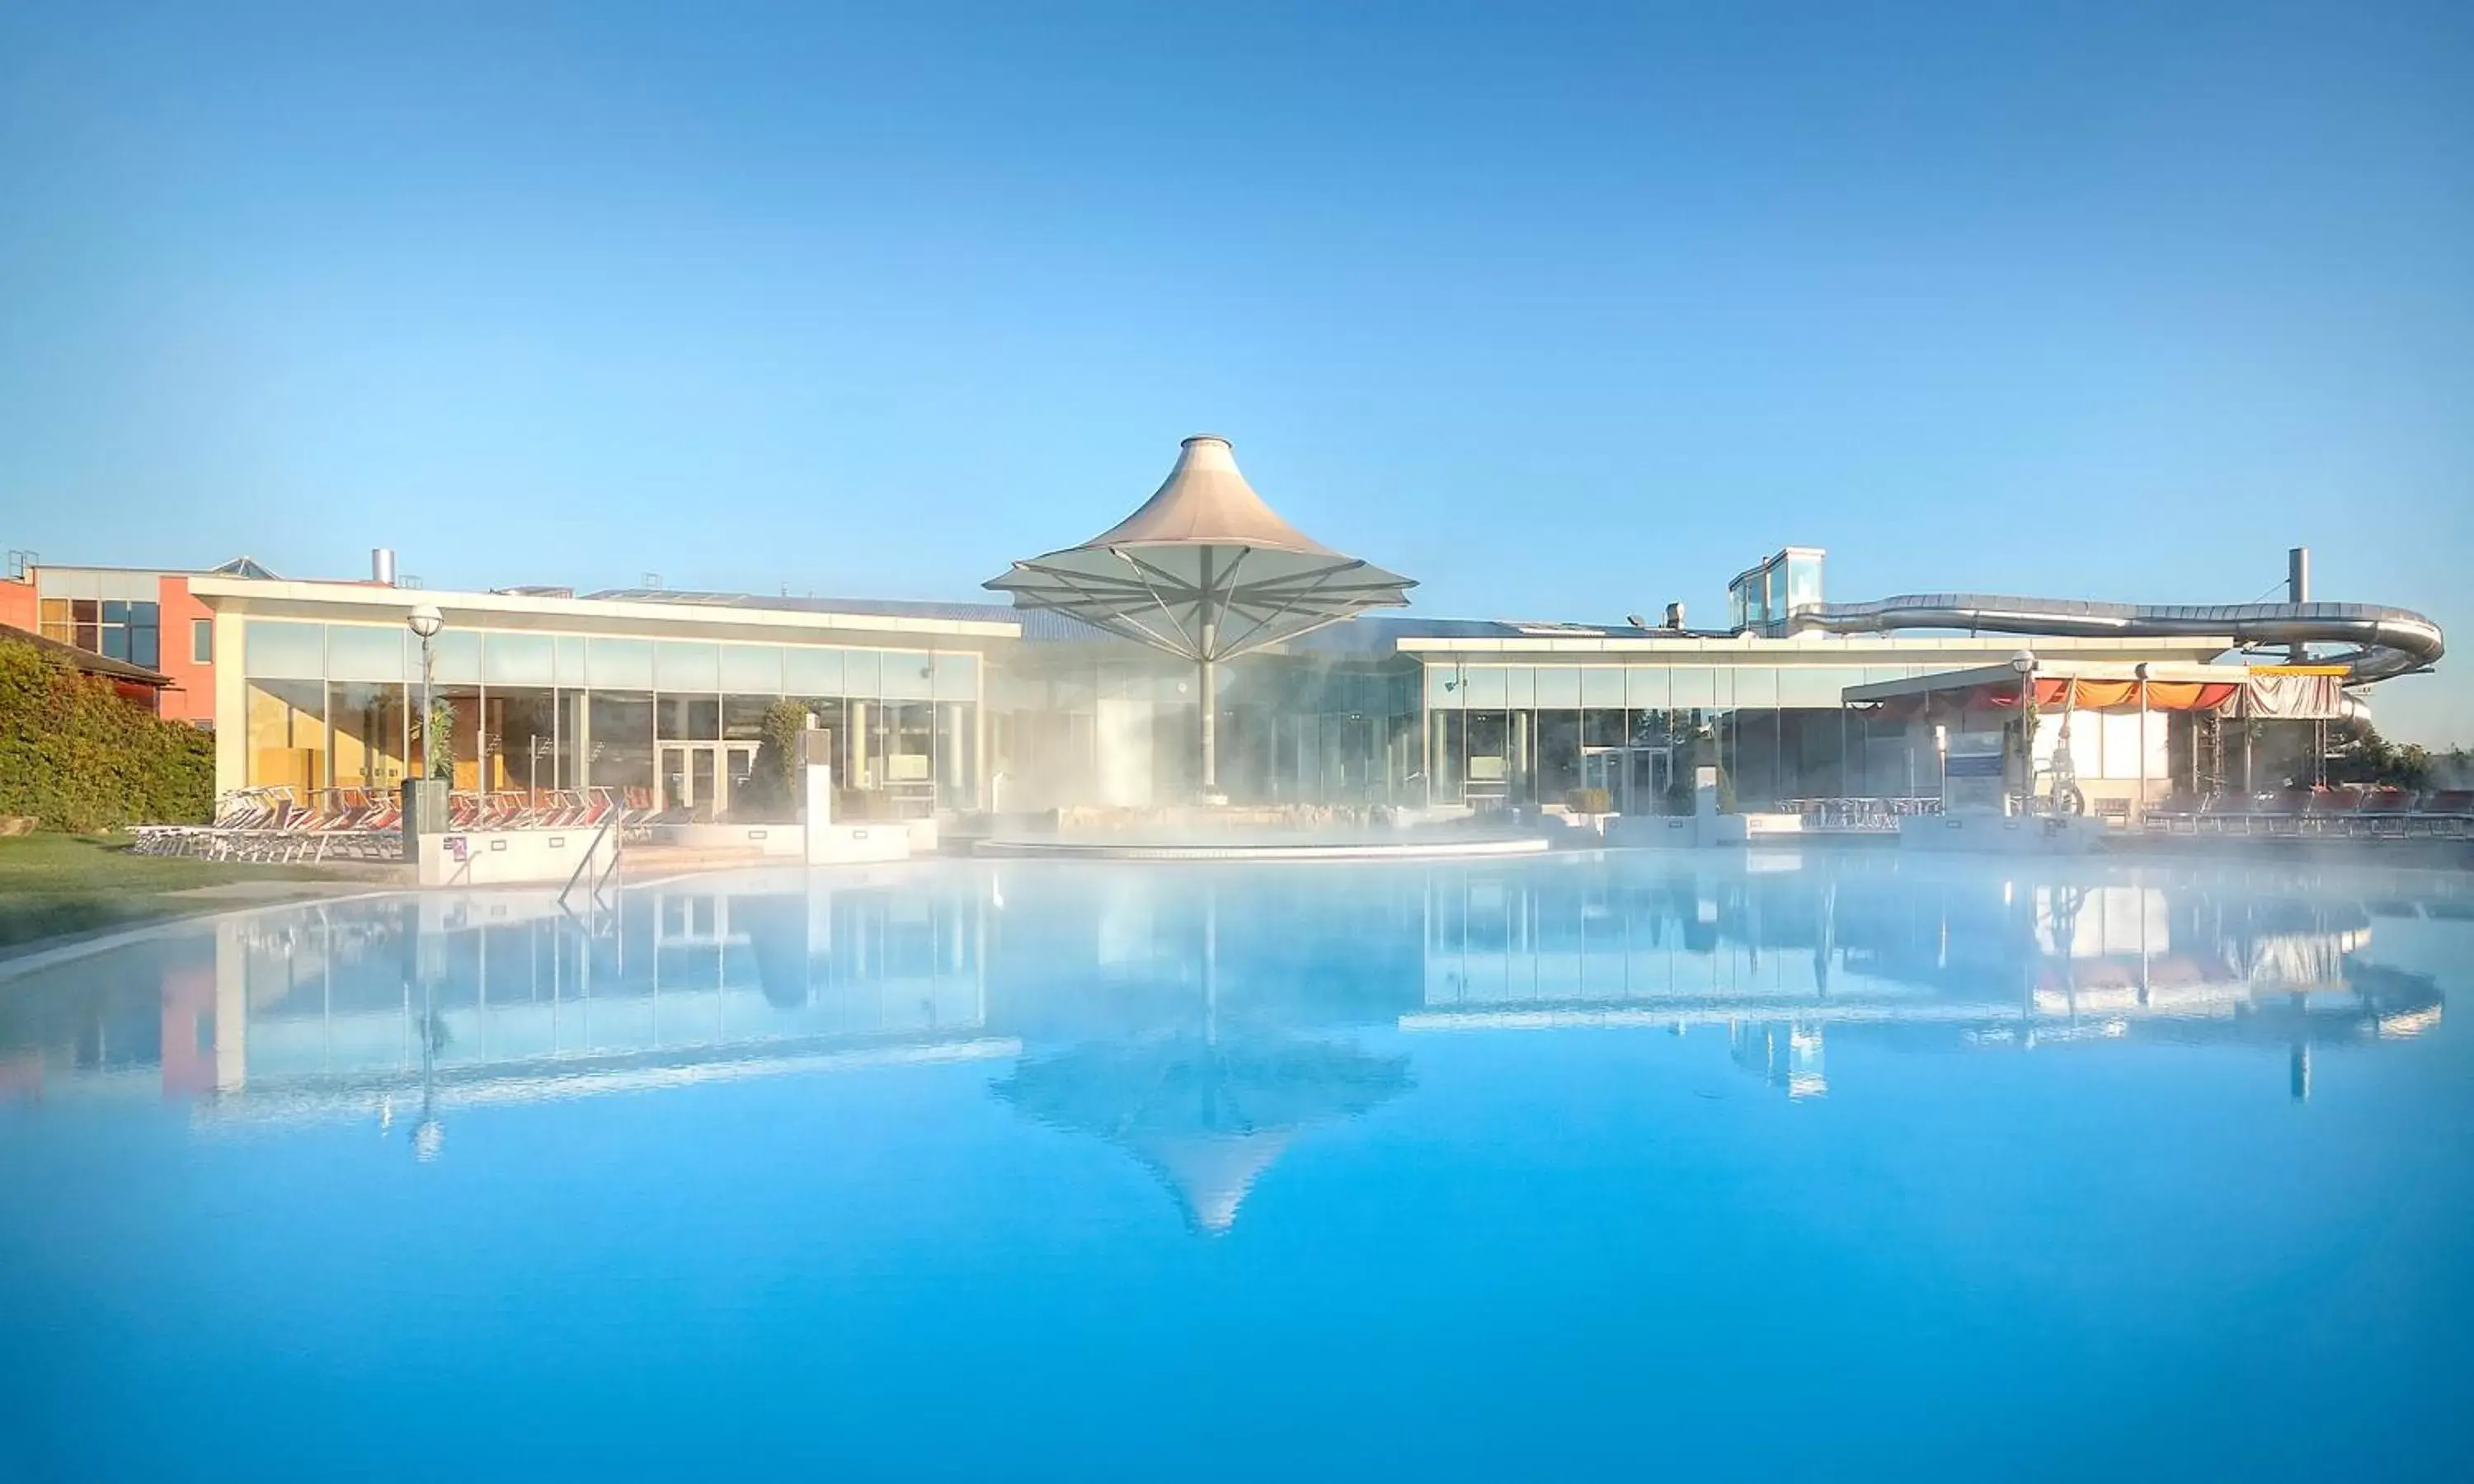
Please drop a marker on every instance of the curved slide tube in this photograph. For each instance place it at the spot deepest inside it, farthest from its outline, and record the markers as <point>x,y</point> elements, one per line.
<point>2386,641</point>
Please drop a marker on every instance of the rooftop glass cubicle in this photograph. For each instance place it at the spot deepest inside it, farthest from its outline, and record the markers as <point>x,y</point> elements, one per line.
<point>1772,591</point>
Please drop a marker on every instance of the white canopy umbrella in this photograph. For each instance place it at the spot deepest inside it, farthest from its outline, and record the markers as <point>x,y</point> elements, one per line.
<point>1205,570</point>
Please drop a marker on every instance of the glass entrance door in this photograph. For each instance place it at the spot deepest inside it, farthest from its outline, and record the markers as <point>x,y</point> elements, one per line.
<point>1636,778</point>
<point>697,776</point>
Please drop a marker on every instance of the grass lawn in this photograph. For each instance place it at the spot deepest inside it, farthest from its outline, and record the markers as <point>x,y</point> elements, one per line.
<point>52,885</point>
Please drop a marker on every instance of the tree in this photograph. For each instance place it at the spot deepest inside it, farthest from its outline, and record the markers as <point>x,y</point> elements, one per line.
<point>2357,753</point>
<point>772,786</point>
<point>75,755</point>
<point>442,731</point>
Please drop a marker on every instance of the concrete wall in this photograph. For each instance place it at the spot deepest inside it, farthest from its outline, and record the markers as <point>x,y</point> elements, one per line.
<point>510,857</point>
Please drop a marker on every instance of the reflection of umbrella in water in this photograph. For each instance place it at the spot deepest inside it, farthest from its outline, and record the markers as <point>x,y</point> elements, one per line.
<point>1207,1116</point>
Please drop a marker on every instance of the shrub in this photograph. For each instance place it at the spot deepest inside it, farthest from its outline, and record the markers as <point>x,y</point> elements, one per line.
<point>771,791</point>
<point>75,757</point>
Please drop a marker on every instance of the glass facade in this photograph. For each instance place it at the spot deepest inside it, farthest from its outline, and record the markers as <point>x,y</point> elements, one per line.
<point>1071,725</point>
<point>1515,734</point>
<point>338,706</point>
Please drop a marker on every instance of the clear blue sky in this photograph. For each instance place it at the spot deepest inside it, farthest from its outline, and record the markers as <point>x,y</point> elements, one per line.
<point>1566,314</point>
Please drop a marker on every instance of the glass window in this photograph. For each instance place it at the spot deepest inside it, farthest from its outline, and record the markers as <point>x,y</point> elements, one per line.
<point>908,676</point>
<point>1756,685</point>
<point>285,651</point>
<point>518,659</point>
<point>742,716</point>
<point>287,732</point>
<point>619,736</point>
<point>369,733</point>
<point>690,718</point>
<point>115,642</point>
<point>1559,688</point>
<point>811,672</point>
<point>1646,687</point>
<point>1443,688</point>
<point>908,736</point>
<point>145,647</point>
<point>356,652</point>
<point>623,664</point>
<point>457,654</point>
<point>568,662</point>
<point>1803,579</point>
<point>1814,686</point>
<point>146,614</point>
<point>1602,686</point>
<point>1520,687</point>
<point>1558,749</point>
<point>202,641</point>
<point>520,738</point>
<point>751,669</point>
<point>680,665</point>
<point>1693,689</point>
<point>957,678</point>
<point>863,672</point>
<point>1486,689</point>
<point>115,611</point>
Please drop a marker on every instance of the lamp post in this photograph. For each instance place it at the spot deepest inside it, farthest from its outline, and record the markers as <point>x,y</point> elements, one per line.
<point>425,797</point>
<point>2140,670</point>
<point>425,621</point>
<point>2024,663</point>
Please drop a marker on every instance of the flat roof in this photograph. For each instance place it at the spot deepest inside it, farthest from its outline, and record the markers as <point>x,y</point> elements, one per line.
<point>371,602</point>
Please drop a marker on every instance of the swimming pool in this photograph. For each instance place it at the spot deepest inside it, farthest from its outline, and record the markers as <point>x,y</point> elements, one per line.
<point>1583,1166</point>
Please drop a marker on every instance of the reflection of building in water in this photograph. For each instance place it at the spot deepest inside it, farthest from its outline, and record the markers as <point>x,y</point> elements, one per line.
<point>1207,1116</point>
<point>1782,953</point>
<point>1177,1004</point>
<point>502,994</point>
<point>1784,1054</point>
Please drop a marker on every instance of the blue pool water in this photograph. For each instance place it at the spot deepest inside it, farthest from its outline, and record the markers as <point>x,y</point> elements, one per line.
<point>1575,1167</point>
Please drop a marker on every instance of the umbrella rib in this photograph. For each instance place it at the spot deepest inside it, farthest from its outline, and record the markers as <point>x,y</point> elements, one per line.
<point>1109,609</point>
<point>1265,622</point>
<point>1138,565</point>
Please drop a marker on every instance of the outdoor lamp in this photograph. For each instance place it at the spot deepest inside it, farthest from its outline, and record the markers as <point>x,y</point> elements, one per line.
<point>2023,661</point>
<point>425,621</point>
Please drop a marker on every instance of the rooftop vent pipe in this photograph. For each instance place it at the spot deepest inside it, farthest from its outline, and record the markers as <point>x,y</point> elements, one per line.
<point>2297,589</point>
<point>382,565</point>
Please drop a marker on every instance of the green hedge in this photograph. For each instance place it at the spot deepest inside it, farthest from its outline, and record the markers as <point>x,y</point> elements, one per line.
<point>77,756</point>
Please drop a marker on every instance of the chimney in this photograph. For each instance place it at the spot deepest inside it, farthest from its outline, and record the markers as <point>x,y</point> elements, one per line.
<point>1675,617</point>
<point>382,565</point>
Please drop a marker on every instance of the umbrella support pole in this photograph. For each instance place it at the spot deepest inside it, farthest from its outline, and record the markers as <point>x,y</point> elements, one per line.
<point>1210,718</point>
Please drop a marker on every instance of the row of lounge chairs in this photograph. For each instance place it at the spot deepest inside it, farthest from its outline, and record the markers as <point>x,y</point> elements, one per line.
<point>2344,810</point>
<point>279,824</point>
